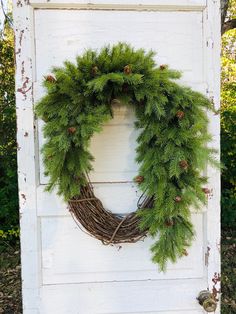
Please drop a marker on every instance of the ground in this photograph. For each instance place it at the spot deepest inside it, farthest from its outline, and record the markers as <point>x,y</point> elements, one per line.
<point>10,283</point>
<point>228,256</point>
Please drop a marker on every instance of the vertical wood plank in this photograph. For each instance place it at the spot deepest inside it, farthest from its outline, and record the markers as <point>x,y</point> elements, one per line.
<point>212,74</point>
<point>24,50</point>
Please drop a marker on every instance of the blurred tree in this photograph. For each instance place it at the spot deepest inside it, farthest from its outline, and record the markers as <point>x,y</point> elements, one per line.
<point>8,161</point>
<point>228,118</point>
<point>228,17</point>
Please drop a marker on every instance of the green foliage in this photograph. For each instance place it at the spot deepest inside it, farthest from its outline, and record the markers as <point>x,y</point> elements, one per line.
<point>228,128</point>
<point>8,162</point>
<point>172,147</point>
<point>9,238</point>
<point>231,10</point>
<point>10,233</point>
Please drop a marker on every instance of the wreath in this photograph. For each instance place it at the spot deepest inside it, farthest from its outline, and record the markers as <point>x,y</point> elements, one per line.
<point>171,148</point>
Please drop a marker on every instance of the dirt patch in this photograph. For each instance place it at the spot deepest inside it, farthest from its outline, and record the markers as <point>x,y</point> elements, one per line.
<point>10,280</point>
<point>228,256</point>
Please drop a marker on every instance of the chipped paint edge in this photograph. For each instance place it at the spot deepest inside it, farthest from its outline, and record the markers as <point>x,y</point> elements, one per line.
<point>212,44</point>
<point>27,173</point>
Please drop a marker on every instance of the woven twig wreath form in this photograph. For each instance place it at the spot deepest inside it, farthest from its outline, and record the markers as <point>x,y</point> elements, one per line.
<point>102,224</point>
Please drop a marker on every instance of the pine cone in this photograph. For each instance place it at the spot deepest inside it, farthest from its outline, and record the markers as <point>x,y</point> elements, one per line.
<point>169,222</point>
<point>163,67</point>
<point>180,114</point>
<point>50,78</point>
<point>127,69</point>
<point>206,190</point>
<point>185,252</point>
<point>139,179</point>
<point>71,130</point>
<point>94,70</point>
<point>178,199</point>
<point>183,164</point>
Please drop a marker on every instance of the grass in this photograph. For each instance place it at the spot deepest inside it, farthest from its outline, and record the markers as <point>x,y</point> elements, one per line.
<point>10,282</point>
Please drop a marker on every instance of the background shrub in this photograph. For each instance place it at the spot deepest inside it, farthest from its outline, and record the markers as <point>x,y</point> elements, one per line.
<point>8,161</point>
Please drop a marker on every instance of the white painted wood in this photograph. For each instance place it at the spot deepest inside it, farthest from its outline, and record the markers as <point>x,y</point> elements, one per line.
<point>104,27</point>
<point>64,270</point>
<point>123,200</point>
<point>87,260</point>
<point>118,142</point>
<point>98,28</point>
<point>145,297</point>
<point>27,175</point>
<point>123,4</point>
<point>212,40</point>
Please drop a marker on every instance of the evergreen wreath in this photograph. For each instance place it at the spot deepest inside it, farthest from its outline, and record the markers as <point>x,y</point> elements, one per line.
<point>172,146</point>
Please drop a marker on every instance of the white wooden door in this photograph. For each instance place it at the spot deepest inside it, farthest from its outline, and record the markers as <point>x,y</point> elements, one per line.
<point>65,270</point>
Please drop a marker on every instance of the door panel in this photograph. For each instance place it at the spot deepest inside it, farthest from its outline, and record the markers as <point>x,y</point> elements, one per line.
<point>62,34</point>
<point>145,297</point>
<point>78,273</point>
<point>70,255</point>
